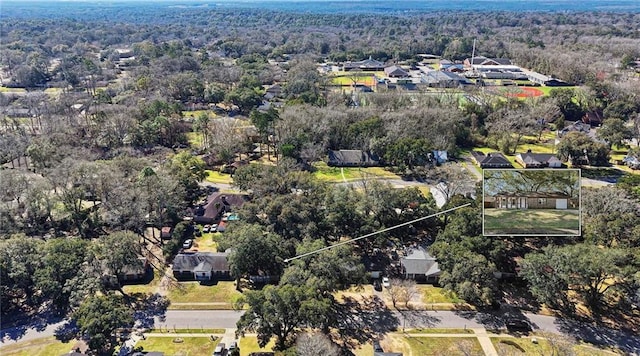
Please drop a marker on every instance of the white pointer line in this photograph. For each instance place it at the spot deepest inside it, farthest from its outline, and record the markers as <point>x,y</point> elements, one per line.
<point>374,233</point>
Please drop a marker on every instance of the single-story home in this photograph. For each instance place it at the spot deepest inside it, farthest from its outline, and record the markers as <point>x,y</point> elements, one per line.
<point>352,158</point>
<point>135,272</point>
<point>367,65</point>
<point>440,156</point>
<point>534,200</point>
<point>490,160</point>
<point>201,266</point>
<point>593,118</point>
<point>420,265</point>
<point>538,160</point>
<point>395,72</point>
<point>218,204</point>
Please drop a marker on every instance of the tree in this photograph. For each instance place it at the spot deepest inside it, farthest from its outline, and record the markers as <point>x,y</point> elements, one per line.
<point>614,131</point>
<point>62,259</point>
<point>575,146</point>
<point>20,258</point>
<point>254,252</point>
<point>244,98</point>
<point>279,311</point>
<point>316,344</point>
<point>401,291</point>
<point>189,171</point>
<point>99,317</point>
<point>114,253</point>
<point>591,272</point>
<point>472,278</point>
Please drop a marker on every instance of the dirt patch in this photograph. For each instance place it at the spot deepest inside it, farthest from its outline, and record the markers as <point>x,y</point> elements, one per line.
<point>524,93</point>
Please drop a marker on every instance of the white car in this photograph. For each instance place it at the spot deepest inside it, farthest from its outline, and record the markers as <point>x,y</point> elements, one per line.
<point>187,244</point>
<point>385,282</point>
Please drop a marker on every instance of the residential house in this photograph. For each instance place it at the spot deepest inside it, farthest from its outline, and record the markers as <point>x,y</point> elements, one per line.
<point>534,200</point>
<point>442,79</point>
<point>165,232</point>
<point>491,160</point>
<point>272,91</point>
<point>440,156</point>
<point>538,160</point>
<point>578,126</point>
<point>136,272</point>
<point>218,204</point>
<point>201,266</point>
<point>395,72</point>
<point>593,118</point>
<point>420,265</point>
<point>367,65</point>
<point>352,158</point>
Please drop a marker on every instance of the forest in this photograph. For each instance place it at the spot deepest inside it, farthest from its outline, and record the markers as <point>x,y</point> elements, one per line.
<point>113,122</point>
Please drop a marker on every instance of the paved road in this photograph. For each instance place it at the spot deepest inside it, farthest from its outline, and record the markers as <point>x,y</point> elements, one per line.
<point>411,319</point>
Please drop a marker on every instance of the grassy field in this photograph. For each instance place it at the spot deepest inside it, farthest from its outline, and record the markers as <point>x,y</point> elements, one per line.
<point>334,174</point>
<point>217,177</point>
<point>425,346</point>
<point>249,344</point>
<point>196,113</point>
<point>149,287</point>
<point>531,221</point>
<point>194,139</point>
<point>431,294</point>
<point>12,90</point>
<point>194,292</point>
<point>206,243</point>
<point>38,347</point>
<point>518,346</point>
<point>190,346</point>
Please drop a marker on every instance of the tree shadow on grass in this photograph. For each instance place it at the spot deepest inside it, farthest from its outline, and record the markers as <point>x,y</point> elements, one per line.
<point>626,340</point>
<point>359,322</point>
<point>147,308</point>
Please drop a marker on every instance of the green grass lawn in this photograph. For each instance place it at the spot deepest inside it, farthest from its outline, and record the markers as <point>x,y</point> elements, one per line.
<point>531,221</point>
<point>217,177</point>
<point>249,344</point>
<point>334,175</point>
<point>194,139</point>
<point>44,346</point>
<point>431,294</point>
<point>149,287</point>
<point>188,331</point>
<point>190,346</point>
<point>194,292</point>
<point>12,90</point>
<point>206,243</point>
<point>425,346</point>
<point>518,346</point>
<point>196,113</point>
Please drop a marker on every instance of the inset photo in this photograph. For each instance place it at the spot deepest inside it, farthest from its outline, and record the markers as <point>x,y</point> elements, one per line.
<point>531,202</point>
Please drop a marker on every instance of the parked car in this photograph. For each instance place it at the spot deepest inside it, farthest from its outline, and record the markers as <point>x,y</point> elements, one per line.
<point>187,243</point>
<point>514,324</point>
<point>220,350</point>
<point>233,349</point>
<point>385,282</point>
<point>377,285</point>
<point>214,228</point>
<point>206,228</point>
<point>377,347</point>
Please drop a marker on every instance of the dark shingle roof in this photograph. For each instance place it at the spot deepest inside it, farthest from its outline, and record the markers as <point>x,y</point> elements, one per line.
<point>200,261</point>
<point>352,157</point>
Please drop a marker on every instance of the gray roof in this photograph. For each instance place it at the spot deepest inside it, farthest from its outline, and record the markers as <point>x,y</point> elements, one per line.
<point>419,261</point>
<point>353,157</point>
<point>396,71</point>
<point>492,159</point>
<point>201,261</point>
<point>437,76</point>
<point>538,158</point>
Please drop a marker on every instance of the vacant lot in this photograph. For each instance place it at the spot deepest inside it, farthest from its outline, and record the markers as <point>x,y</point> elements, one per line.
<point>184,346</point>
<point>425,346</point>
<point>43,346</point>
<point>194,292</point>
<point>531,222</point>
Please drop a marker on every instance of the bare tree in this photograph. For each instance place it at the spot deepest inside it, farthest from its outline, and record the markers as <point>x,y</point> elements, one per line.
<point>316,344</point>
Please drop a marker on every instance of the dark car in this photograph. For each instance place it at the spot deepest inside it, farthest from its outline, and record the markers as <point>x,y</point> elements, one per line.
<point>518,325</point>
<point>377,285</point>
<point>377,347</point>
